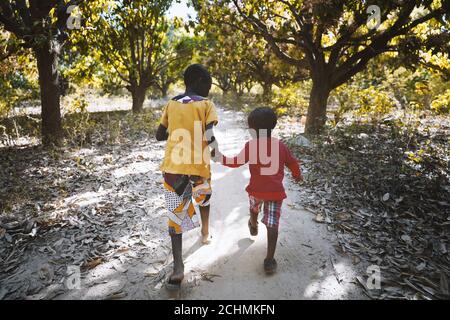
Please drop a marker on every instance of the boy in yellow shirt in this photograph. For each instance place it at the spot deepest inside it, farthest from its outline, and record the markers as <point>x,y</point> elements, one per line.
<point>186,124</point>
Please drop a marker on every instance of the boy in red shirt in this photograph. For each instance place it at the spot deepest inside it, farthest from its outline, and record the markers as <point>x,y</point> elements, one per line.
<point>267,157</point>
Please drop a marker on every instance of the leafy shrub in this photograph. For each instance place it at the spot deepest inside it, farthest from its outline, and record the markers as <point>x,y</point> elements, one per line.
<point>77,125</point>
<point>373,102</point>
<point>441,105</point>
<point>18,83</point>
<point>291,100</point>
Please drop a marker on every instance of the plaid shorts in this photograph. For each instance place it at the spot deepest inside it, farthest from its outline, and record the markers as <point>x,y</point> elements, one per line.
<point>272,211</point>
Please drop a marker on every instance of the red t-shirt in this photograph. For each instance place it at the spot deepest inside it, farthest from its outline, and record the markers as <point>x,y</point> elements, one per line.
<point>267,158</point>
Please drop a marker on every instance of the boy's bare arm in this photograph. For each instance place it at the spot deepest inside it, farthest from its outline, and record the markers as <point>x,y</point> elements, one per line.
<point>294,166</point>
<point>212,142</point>
<point>296,171</point>
<point>161,133</point>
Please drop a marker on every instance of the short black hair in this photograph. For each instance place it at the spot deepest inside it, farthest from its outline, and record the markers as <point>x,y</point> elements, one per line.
<point>262,118</point>
<point>196,73</point>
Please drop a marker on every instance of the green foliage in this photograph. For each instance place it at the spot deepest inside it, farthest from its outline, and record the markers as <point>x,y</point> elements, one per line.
<point>238,60</point>
<point>441,105</point>
<point>292,99</point>
<point>384,89</point>
<point>224,55</point>
<point>374,103</point>
<point>131,37</point>
<point>18,82</point>
<point>178,50</point>
<point>79,131</point>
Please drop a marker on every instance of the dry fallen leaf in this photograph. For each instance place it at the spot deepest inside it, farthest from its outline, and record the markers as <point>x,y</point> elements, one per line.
<point>406,238</point>
<point>93,263</point>
<point>319,218</point>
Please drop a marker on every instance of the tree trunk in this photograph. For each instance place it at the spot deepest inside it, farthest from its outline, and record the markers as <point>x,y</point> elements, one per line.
<point>240,90</point>
<point>317,110</point>
<point>234,91</point>
<point>267,91</point>
<point>47,63</point>
<point>165,90</point>
<point>138,95</point>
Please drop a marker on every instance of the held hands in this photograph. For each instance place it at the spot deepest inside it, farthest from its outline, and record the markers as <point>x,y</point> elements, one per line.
<point>216,155</point>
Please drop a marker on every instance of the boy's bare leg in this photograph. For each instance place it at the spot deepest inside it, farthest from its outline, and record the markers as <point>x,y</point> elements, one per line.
<point>272,238</point>
<point>204,213</point>
<point>254,218</point>
<point>177,251</point>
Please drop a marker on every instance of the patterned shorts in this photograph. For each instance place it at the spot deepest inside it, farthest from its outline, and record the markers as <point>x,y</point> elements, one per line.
<point>182,207</point>
<point>272,211</point>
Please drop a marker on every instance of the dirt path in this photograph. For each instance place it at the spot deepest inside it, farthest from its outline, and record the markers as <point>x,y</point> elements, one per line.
<point>111,226</point>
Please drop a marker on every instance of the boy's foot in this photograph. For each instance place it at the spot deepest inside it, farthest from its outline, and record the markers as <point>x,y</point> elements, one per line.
<point>270,266</point>
<point>253,229</point>
<point>173,283</point>
<point>206,239</point>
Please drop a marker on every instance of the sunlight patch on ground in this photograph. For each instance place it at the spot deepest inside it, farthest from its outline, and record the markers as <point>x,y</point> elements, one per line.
<point>218,252</point>
<point>82,152</point>
<point>328,287</point>
<point>86,198</point>
<point>134,168</point>
<point>220,175</point>
<point>19,142</point>
<point>232,216</point>
<point>105,289</point>
<point>224,243</point>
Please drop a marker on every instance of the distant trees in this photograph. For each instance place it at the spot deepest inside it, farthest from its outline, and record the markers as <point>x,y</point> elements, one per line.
<point>130,37</point>
<point>223,53</point>
<point>268,70</point>
<point>238,60</point>
<point>178,51</point>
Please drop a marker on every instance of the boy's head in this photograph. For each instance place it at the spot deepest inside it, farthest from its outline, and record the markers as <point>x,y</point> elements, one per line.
<point>262,119</point>
<point>198,79</point>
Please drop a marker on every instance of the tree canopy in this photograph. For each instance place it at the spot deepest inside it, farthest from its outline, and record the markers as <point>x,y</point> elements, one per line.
<point>335,38</point>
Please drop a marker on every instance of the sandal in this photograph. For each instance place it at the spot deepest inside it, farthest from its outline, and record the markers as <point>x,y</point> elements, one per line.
<point>253,229</point>
<point>173,285</point>
<point>270,266</point>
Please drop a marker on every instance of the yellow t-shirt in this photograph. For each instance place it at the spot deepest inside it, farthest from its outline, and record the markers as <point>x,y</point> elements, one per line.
<point>187,150</point>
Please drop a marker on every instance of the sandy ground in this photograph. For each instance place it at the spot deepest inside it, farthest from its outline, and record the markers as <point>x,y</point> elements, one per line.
<point>121,211</point>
